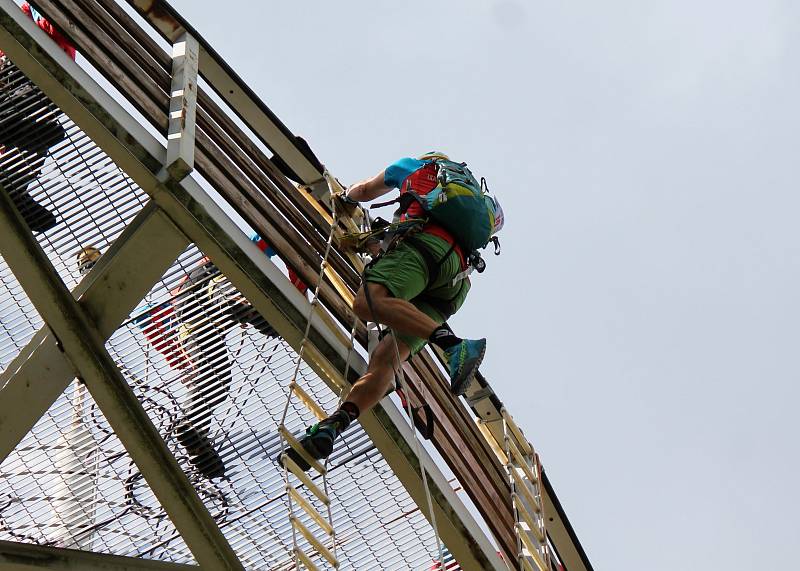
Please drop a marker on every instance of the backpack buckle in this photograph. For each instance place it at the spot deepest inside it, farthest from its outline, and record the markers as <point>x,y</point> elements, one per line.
<point>474,260</point>
<point>496,241</point>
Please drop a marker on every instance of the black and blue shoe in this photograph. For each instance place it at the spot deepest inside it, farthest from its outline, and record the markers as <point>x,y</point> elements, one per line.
<point>318,440</point>
<point>463,361</point>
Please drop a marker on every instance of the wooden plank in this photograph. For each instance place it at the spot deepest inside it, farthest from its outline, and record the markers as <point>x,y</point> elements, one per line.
<point>527,565</point>
<point>523,443</point>
<point>450,407</point>
<point>525,491</point>
<point>309,509</point>
<point>83,30</point>
<point>531,548</point>
<point>501,455</point>
<point>462,416</point>
<point>494,506</point>
<point>521,461</point>
<point>528,518</point>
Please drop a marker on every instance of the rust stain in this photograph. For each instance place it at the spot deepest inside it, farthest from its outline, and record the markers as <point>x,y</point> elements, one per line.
<point>158,14</point>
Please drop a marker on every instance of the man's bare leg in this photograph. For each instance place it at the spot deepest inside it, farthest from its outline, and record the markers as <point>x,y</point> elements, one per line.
<point>398,314</point>
<point>376,382</point>
<point>403,317</point>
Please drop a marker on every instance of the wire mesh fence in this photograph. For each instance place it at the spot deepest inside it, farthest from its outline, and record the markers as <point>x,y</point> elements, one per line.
<point>211,373</point>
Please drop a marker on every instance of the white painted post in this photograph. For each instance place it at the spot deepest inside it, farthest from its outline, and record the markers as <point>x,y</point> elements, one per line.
<point>182,107</point>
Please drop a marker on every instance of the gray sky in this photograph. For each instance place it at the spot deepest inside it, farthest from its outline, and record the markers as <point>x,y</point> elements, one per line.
<point>642,318</point>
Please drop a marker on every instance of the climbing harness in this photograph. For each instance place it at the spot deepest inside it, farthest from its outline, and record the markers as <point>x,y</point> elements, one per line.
<point>458,203</point>
<point>380,231</point>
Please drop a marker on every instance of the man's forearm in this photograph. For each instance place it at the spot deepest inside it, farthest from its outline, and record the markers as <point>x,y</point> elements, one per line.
<point>369,189</point>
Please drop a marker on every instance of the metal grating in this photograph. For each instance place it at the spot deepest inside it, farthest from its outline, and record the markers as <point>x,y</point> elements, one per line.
<point>91,198</point>
<point>70,482</point>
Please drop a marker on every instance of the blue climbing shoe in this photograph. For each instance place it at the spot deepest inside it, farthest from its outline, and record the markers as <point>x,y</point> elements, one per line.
<point>463,361</point>
<point>318,440</point>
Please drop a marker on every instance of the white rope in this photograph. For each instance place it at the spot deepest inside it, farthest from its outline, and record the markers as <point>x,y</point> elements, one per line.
<point>398,375</point>
<point>417,448</point>
<point>314,303</point>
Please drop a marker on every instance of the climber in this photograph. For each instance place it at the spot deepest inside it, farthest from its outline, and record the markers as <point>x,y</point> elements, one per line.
<point>29,128</point>
<point>415,286</point>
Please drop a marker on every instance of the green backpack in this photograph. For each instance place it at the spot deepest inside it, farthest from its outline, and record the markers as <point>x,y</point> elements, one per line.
<point>462,205</point>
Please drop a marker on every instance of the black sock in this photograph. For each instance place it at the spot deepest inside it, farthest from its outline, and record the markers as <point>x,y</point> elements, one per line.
<point>444,337</point>
<point>342,418</point>
<point>351,409</point>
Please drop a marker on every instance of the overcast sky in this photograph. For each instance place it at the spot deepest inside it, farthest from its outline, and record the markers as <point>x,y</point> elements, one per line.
<point>642,320</point>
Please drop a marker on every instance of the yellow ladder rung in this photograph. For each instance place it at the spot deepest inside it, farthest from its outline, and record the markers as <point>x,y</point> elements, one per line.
<point>305,559</point>
<point>522,461</point>
<point>316,543</point>
<point>530,549</point>
<point>487,434</point>
<point>306,399</point>
<point>527,518</point>
<point>303,477</point>
<point>521,486</point>
<point>524,445</point>
<point>295,444</point>
<point>309,509</point>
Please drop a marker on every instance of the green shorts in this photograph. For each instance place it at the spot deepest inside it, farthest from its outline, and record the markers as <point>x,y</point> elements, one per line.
<point>404,273</point>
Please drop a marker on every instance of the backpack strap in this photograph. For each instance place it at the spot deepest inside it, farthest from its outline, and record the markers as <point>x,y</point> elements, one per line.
<point>433,265</point>
<point>446,307</point>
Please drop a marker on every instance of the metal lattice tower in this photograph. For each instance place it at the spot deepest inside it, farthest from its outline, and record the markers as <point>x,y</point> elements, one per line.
<point>148,344</point>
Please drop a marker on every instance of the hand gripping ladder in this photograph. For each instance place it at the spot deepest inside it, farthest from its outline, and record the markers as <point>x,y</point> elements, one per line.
<point>297,501</point>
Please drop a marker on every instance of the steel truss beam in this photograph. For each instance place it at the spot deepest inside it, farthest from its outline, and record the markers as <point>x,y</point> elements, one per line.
<point>26,557</point>
<point>120,279</point>
<point>204,222</point>
<point>85,348</point>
